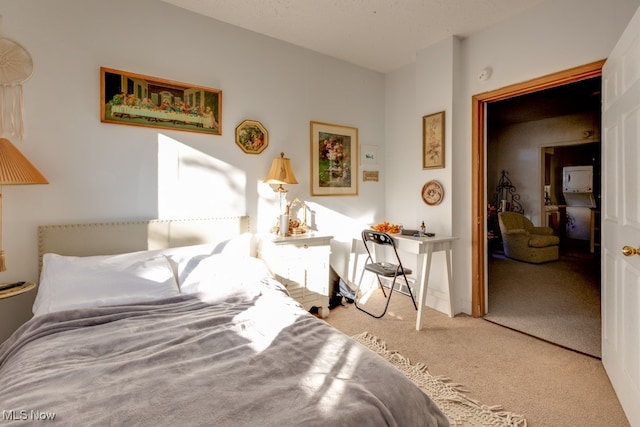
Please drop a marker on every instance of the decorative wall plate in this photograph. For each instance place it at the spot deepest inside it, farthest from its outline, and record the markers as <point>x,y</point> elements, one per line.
<point>432,193</point>
<point>252,137</point>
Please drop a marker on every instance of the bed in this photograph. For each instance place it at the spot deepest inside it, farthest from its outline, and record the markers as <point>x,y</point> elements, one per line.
<point>177,322</point>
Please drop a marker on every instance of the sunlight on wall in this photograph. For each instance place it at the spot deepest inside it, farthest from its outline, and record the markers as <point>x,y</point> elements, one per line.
<point>268,207</point>
<point>192,184</point>
<point>342,226</point>
<point>344,230</point>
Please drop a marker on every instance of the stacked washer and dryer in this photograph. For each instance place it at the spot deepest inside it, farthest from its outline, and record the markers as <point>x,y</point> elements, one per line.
<point>577,188</point>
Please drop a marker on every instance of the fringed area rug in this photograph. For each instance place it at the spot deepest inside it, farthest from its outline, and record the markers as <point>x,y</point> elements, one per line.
<point>459,409</point>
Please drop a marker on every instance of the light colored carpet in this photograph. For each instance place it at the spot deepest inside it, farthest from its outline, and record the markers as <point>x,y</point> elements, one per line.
<point>549,385</point>
<point>557,301</point>
<point>460,410</point>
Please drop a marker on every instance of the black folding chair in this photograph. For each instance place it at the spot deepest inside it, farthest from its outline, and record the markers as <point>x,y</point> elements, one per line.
<point>376,243</point>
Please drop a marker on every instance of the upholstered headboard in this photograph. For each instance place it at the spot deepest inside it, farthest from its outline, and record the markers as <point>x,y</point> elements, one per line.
<point>120,237</point>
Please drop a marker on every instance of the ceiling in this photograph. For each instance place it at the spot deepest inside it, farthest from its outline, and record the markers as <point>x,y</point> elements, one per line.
<point>381,35</point>
<point>384,35</point>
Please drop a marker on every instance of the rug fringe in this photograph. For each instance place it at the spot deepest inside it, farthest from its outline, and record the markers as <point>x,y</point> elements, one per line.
<point>460,409</point>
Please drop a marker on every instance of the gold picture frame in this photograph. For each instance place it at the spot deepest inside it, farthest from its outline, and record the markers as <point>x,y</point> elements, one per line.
<point>433,141</point>
<point>252,137</point>
<point>139,100</point>
<point>334,160</point>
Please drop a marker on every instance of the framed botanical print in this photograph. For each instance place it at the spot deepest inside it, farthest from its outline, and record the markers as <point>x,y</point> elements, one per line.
<point>334,160</point>
<point>433,141</point>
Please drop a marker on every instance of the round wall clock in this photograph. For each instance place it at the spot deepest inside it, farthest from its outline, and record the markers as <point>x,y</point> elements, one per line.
<point>432,193</point>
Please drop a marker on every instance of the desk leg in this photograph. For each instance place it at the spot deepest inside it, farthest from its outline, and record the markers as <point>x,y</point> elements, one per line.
<point>449,274</point>
<point>424,285</point>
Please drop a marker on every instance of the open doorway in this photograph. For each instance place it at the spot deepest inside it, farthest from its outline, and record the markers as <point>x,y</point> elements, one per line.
<point>479,168</point>
<point>535,142</point>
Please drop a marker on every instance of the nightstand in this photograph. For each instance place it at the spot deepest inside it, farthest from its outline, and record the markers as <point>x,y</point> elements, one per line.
<point>302,265</point>
<point>16,290</point>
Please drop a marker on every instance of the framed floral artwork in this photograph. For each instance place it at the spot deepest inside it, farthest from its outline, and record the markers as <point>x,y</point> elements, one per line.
<point>334,160</point>
<point>433,141</point>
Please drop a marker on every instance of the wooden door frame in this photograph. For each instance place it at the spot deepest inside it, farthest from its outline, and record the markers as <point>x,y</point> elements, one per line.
<point>478,159</point>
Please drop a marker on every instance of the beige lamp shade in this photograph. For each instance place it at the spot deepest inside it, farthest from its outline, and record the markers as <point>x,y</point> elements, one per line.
<point>281,172</point>
<point>15,169</point>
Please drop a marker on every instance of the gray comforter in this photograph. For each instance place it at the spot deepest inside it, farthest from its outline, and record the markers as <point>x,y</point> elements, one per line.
<point>240,359</point>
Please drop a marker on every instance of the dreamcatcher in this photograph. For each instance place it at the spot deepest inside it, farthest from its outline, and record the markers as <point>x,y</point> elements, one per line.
<point>16,67</point>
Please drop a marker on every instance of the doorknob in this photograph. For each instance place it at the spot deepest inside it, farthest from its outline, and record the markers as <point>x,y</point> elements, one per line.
<point>629,250</point>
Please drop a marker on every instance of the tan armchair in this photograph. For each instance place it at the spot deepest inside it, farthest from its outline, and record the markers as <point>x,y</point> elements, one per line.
<point>524,241</point>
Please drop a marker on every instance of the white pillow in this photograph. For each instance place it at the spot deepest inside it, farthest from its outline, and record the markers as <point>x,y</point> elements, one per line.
<point>243,245</point>
<point>222,273</point>
<point>183,259</point>
<point>68,282</point>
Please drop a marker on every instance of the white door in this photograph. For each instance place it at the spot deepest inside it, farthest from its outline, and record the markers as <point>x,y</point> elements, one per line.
<point>621,219</point>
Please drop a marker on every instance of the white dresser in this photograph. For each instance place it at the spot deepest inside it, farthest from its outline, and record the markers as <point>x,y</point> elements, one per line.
<point>301,263</point>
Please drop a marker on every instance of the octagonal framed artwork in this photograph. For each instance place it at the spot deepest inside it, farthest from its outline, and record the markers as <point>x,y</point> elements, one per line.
<point>252,137</point>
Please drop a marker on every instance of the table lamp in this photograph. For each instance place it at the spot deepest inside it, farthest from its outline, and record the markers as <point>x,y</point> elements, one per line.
<point>281,173</point>
<point>15,169</point>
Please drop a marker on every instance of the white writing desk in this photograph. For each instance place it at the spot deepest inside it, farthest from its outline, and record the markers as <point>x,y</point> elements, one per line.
<point>424,247</point>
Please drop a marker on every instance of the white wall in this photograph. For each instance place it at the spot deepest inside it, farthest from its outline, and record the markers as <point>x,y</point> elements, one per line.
<point>424,88</point>
<point>102,172</point>
<point>554,36</point>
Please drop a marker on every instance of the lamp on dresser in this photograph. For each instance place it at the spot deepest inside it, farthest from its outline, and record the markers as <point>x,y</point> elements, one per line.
<point>15,169</point>
<point>281,173</point>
